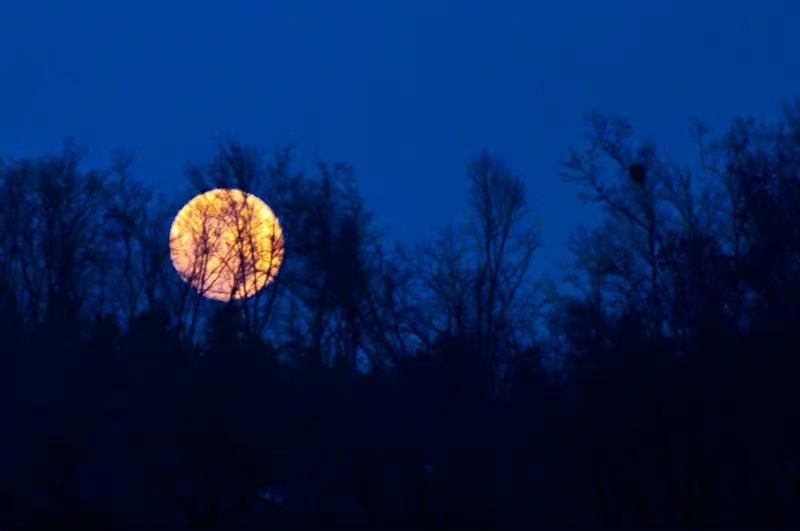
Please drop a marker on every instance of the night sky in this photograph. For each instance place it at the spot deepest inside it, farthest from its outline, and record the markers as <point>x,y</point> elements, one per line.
<point>405,91</point>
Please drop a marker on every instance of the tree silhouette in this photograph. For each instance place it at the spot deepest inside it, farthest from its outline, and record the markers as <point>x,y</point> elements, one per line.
<point>429,385</point>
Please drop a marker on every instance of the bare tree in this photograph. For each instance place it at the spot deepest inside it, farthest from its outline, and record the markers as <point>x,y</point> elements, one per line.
<point>477,279</point>
<point>228,246</point>
<point>54,252</point>
<point>135,222</point>
<point>506,239</point>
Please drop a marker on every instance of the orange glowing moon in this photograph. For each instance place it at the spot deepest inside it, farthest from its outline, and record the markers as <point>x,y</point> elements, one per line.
<point>227,244</point>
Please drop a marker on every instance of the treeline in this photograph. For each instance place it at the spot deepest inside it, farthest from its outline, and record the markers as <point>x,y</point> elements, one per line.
<point>433,384</point>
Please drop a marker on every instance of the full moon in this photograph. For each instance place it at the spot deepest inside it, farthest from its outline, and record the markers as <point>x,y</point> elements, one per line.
<point>227,244</point>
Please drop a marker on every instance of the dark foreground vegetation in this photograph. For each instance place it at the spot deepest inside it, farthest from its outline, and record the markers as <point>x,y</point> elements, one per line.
<point>429,385</point>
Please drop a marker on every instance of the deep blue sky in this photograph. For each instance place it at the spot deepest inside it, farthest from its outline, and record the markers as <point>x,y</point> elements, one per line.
<point>406,91</point>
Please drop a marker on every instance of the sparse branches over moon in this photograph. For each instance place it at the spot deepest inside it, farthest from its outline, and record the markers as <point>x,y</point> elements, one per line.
<point>227,244</point>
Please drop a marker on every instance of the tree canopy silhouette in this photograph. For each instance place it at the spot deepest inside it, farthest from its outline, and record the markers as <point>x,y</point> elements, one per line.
<point>435,384</point>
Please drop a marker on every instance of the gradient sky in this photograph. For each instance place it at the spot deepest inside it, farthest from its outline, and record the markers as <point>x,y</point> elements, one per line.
<point>405,91</point>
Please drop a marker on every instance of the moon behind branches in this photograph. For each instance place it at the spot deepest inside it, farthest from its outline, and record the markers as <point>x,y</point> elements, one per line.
<point>227,244</point>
